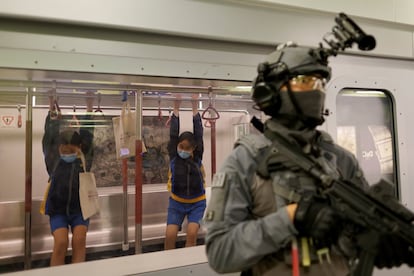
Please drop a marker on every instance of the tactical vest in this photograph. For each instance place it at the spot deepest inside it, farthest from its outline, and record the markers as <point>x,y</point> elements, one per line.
<point>285,181</point>
<point>284,184</point>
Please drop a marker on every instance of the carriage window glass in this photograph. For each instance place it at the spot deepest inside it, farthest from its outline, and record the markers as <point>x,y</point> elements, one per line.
<point>365,126</point>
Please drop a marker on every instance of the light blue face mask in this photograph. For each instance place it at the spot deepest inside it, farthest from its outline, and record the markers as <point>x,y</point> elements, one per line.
<point>69,158</point>
<point>184,154</point>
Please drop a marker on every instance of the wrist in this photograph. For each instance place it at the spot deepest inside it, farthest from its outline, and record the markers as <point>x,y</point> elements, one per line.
<point>291,210</point>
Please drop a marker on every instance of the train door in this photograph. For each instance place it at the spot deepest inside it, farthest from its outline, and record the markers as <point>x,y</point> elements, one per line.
<point>365,126</point>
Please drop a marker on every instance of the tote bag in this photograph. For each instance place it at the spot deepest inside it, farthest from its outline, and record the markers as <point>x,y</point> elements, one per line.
<point>88,194</point>
<point>125,132</point>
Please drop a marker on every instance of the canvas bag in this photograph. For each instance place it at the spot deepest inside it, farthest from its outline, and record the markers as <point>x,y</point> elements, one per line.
<point>125,132</point>
<point>88,194</point>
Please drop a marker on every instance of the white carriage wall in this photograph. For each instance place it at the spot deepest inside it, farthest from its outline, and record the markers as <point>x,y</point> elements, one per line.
<point>12,160</point>
<point>249,21</point>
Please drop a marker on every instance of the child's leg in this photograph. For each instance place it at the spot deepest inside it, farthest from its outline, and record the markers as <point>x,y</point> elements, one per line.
<point>79,243</point>
<point>60,246</point>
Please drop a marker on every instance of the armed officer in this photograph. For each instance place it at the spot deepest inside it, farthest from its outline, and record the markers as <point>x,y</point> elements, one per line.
<point>265,216</point>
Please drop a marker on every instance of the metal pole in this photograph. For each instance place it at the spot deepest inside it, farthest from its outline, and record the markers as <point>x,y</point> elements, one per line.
<point>125,244</point>
<point>62,85</point>
<point>28,184</point>
<point>213,148</point>
<point>138,175</point>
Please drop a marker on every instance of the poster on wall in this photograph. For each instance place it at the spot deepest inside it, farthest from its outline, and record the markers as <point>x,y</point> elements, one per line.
<point>155,161</point>
<point>108,169</point>
<point>105,166</point>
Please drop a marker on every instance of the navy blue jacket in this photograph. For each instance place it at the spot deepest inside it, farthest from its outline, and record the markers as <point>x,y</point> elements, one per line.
<point>186,176</point>
<point>63,196</point>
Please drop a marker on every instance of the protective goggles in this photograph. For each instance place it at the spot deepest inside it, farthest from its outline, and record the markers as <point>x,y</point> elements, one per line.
<point>301,83</point>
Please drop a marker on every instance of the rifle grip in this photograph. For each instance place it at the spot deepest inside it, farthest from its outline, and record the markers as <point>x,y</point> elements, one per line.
<point>365,265</point>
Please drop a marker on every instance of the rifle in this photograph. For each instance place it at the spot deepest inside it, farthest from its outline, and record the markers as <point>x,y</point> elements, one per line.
<point>375,210</point>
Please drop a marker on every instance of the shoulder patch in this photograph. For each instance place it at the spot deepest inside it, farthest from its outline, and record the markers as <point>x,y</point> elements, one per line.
<point>218,180</point>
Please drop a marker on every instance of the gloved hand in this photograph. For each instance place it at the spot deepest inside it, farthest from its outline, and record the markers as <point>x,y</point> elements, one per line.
<point>393,252</point>
<point>315,218</point>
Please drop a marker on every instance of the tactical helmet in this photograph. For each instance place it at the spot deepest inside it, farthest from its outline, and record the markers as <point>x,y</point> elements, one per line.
<point>289,60</point>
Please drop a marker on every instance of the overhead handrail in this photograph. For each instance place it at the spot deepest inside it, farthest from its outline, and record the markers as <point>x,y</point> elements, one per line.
<point>226,88</point>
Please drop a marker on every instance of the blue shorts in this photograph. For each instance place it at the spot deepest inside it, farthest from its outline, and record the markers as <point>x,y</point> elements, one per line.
<point>177,212</point>
<point>63,221</point>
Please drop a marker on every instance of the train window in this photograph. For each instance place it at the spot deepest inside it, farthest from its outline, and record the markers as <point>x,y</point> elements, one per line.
<point>365,126</point>
<point>115,226</point>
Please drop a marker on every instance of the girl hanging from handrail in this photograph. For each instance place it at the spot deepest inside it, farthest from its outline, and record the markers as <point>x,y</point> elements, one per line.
<point>186,177</point>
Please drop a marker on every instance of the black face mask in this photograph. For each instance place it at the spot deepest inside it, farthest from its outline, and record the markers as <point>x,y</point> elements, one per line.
<point>309,103</point>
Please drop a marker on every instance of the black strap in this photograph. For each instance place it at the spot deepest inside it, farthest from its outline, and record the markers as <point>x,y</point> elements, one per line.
<point>257,124</point>
<point>279,145</point>
<point>54,169</point>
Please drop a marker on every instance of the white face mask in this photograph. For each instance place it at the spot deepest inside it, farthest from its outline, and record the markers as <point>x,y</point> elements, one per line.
<point>183,154</point>
<point>69,158</point>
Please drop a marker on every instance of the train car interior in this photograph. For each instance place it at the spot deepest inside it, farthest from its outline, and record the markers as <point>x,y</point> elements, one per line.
<point>144,55</point>
<point>223,104</point>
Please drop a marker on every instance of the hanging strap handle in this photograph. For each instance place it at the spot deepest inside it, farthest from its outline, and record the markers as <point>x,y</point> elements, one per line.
<point>213,114</point>
<point>210,114</point>
<point>98,109</point>
<point>19,116</point>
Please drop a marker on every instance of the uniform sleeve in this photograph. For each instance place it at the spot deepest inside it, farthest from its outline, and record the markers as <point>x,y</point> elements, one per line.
<point>198,135</point>
<point>174,132</point>
<point>50,143</point>
<point>235,241</point>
